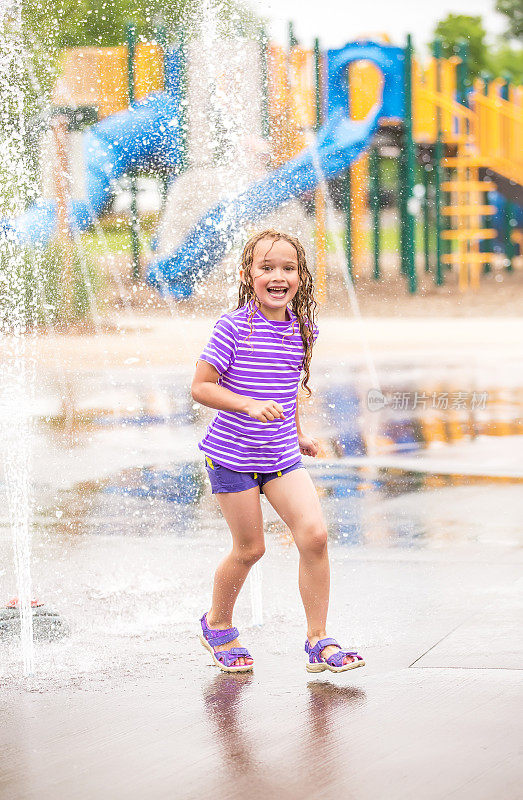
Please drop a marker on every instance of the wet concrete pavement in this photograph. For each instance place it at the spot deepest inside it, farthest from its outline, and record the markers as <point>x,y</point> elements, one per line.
<point>133,707</point>
<point>426,584</point>
<point>138,339</point>
<point>402,733</point>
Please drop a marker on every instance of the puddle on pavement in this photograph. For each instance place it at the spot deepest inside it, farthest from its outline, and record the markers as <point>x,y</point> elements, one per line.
<point>116,465</point>
<point>119,459</point>
<point>417,408</point>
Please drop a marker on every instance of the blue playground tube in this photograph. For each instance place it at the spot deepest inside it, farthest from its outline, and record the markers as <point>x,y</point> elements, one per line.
<point>390,61</point>
<point>339,142</point>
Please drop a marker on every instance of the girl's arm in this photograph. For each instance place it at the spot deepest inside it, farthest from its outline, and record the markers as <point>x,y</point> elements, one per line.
<point>308,445</point>
<point>298,426</point>
<point>205,390</point>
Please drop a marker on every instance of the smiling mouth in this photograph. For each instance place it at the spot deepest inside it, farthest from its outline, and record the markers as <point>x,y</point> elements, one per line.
<point>278,292</point>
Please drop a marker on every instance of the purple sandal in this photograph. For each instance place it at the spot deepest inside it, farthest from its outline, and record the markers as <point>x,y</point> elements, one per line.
<point>224,659</point>
<point>334,662</point>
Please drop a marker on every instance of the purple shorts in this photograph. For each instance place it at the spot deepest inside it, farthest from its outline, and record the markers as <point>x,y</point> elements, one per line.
<point>224,479</point>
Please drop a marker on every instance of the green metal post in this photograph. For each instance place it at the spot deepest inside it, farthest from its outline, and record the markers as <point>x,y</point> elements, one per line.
<point>462,72</point>
<point>264,85</point>
<point>348,223</point>
<point>438,157</point>
<point>347,176</point>
<point>292,38</point>
<point>509,211</point>
<point>410,244</point>
<point>375,191</point>
<point>160,35</point>
<point>183,78</point>
<point>487,245</point>
<point>508,227</point>
<point>402,207</point>
<point>317,82</point>
<point>426,216</point>
<point>135,232</point>
<point>131,47</point>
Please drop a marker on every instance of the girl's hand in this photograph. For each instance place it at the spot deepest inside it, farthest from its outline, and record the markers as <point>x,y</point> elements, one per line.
<point>308,446</point>
<point>264,410</point>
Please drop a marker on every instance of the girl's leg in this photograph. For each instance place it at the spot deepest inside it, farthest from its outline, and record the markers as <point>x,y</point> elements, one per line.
<point>243,514</point>
<point>294,498</point>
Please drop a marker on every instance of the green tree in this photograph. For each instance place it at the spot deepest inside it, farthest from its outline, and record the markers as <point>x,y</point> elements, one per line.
<point>513,9</point>
<point>52,25</point>
<point>460,27</point>
<point>77,23</point>
<point>80,23</point>
<point>506,61</point>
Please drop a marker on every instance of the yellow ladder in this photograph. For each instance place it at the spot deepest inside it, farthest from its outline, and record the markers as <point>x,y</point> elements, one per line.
<point>489,133</point>
<point>467,207</point>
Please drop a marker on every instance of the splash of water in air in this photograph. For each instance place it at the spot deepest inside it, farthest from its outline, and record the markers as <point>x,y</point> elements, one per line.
<point>16,365</point>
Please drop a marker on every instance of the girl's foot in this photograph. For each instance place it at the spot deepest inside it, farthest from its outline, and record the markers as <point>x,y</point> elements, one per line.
<point>240,662</point>
<point>330,649</point>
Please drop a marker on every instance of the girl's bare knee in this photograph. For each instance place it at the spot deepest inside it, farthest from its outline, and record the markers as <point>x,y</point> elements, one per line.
<point>249,554</point>
<point>312,540</point>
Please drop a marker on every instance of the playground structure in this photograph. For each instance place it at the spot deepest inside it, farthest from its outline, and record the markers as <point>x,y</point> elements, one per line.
<point>319,116</point>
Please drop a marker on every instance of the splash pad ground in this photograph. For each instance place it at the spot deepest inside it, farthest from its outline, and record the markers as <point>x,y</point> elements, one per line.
<point>426,569</point>
<point>434,712</point>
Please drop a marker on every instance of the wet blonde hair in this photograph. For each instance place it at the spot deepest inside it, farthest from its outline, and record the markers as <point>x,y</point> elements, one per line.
<point>303,303</point>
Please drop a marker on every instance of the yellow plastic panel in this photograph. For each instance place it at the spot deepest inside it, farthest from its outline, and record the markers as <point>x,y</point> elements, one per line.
<point>278,103</point>
<point>365,81</point>
<point>148,69</point>
<point>302,96</point>
<point>112,67</point>
<point>95,76</point>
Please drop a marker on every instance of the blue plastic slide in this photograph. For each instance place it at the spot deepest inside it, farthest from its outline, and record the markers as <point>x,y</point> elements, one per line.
<point>339,142</point>
<point>147,133</point>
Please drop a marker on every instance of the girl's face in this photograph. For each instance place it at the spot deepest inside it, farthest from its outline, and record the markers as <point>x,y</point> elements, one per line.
<point>274,273</point>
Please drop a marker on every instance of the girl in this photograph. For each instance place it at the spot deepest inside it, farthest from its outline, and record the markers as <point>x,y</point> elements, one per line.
<point>250,371</point>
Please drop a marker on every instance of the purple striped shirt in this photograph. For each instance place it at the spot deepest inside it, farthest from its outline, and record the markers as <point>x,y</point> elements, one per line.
<point>265,366</point>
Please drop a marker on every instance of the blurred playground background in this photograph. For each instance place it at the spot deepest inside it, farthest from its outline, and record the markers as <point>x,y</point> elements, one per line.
<point>140,143</point>
<point>154,142</point>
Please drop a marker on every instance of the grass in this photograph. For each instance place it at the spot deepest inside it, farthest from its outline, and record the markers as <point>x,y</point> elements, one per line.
<point>117,240</point>
<point>33,290</point>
